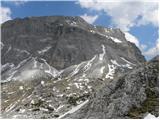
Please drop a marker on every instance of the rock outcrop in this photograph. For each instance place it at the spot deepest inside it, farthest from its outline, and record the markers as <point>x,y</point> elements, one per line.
<point>130,96</point>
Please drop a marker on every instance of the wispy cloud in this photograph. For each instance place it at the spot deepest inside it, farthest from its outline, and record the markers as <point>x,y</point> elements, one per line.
<point>153,51</point>
<point>89,18</point>
<point>16,2</point>
<point>133,39</point>
<point>149,52</point>
<point>20,2</point>
<point>5,14</point>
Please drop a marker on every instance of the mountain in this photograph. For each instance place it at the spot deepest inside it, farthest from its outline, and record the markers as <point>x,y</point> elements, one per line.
<point>52,65</point>
<point>61,42</point>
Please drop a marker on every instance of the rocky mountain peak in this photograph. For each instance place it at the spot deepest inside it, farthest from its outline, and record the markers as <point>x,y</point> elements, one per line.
<point>53,64</point>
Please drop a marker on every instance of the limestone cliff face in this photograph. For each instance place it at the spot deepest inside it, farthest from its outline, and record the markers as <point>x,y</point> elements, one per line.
<point>62,41</point>
<point>53,64</point>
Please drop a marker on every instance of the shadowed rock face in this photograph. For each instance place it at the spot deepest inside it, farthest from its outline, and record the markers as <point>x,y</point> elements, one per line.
<point>61,41</point>
<point>52,64</point>
<point>130,96</point>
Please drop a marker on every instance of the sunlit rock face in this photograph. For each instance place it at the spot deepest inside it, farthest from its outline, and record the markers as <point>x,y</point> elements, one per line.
<point>52,65</point>
<point>133,95</point>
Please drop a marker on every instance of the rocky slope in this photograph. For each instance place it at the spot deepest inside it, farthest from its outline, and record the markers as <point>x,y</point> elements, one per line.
<point>51,65</point>
<point>131,96</point>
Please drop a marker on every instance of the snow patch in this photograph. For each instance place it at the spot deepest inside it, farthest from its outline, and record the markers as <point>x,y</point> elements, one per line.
<point>51,71</point>
<point>92,31</point>
<point>102,69</point>
<point>35,63</point>
<point>8,49</point>
<point>33,102</point>
<point>22,110</point>
<point>79,85</point>
<point>6,100</point>
<point>89,87</point>
<point>115,62</point>
<point>16,116</point>
<point>84,75</point>
<point>11,92</point>
<point>71,94</point>
<point>73,23</point>
<point>44,50</point>
<point>76,70</point>
<point>74,109</point>
<point>44,109</point>
<point>20,87</point>
<point>60,95</point>
<point>101,56</point>
<point>86,80</point>
<point>106,30</point>
<point>60,24</point>
<point>45,39</point>
<point>42,82</point>
<point>22,51</point>
<point>150,116</point>
<point>2,45</point>
<point>116,40</point>
<point>54,89</point>
<point>103,35</point>
<point>126,61</point>
<point>25,51</point>
<point>68,88</point>
<point>128,66</point>
<point>111,71</point>
<point>61,106</point>
<point>86,67</point>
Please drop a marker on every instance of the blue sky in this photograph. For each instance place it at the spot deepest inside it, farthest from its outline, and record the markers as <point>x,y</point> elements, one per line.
<point>138,19</point>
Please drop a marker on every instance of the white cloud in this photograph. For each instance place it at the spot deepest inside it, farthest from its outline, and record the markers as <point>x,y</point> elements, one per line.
<point>16,2</point>
<point>125,15</point>
<point>20,2</point>
<point>5,14</point>
<point>90,19</point>
<point>152,51</point>
<point>149,16</point>
<point>143,47</point>
<point>132,39</point>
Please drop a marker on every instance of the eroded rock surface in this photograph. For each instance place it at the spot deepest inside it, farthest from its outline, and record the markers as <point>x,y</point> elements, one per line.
<point>130,96</point>
<point>63,67</point>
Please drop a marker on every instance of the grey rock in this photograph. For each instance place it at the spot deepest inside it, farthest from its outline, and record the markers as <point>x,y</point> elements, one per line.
<point>65,44</point>
<point>130,96</point>
<point>60,61</point>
